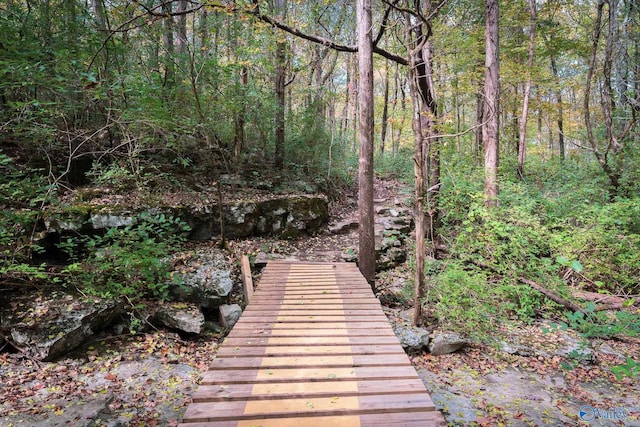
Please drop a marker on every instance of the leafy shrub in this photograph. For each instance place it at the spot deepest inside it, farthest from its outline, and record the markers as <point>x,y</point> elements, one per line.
<point>22,195</point>
<point>132,261</point>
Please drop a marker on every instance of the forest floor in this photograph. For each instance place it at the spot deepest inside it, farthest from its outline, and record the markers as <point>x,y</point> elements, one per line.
<point>147,379</point>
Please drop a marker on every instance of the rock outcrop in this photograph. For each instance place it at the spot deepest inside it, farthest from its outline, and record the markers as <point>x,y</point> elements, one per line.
<point>47,327</point>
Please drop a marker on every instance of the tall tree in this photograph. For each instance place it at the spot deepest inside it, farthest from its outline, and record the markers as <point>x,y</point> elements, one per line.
<point>426,154</point>
<point>522,141</point>
<point>491,112</point>
<point>366,251</point>
<point>280,82</point>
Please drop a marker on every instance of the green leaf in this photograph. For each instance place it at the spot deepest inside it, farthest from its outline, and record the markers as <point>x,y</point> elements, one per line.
<point>576,266</point>
<point>562,260</point>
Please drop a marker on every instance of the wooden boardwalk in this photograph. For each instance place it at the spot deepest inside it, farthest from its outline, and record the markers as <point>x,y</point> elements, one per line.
<point>313,348</point>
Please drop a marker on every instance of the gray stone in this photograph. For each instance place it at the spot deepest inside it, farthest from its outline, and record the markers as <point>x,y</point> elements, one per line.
<point>204,279</point>
<point>344,227</point>
<point>100,221</point>
<point>412,339</point>
<point>183,317</point>
<point>445,343</point>
<point>517,349</point>
<point>50,326</point>
<point>229,315</point>
<point>576,349</point>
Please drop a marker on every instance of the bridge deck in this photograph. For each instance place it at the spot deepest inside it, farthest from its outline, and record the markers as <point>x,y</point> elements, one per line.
<point>313,348</point>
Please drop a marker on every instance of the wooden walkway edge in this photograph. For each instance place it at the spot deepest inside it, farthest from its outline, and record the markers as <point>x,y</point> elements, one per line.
<point>313,348</point>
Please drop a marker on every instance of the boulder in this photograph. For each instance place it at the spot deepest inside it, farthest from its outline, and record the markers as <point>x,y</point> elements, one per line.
<point>445,343</point>
<point>49,326</point>
<point>391,250</point>
<point>184,317</point>
<point>343,227</point>
<point>412,338</point>
<point>229,315</point>
<point>203,278</point>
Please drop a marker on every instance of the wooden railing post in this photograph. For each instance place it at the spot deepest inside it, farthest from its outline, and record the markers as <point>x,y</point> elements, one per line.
<point>247,280</point>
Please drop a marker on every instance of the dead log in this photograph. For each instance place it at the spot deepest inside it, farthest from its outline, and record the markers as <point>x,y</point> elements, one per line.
<point>604,302</point>
<point>538,287</point>
<point>551,295</point>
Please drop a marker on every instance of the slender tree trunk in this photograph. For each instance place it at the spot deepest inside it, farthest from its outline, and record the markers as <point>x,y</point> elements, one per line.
<point>239,137</point>
<point>479,144</point>
<point>426,156</point>
<point>169,45</point>
<point>385,109</point>
<point>181,40</point>
<point>280,80</point>
<point>491,112</point>
<point>522,142</point>
<point>612,174</point>
<point>560,108</point>
<point>366,252</point>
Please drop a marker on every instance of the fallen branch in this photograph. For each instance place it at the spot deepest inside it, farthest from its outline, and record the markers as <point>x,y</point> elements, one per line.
<point>551,295</point>
<point>538,287</point>
<point>24,352</point>
<point>606,302</point>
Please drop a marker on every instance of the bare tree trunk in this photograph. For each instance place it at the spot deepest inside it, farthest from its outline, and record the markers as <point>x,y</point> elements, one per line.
<point>426,155</point>
<point>280,80</point>
<point>169,45</point>
<point>560,108</point>
<point>491,113</point>
<point>479,144</point>
<point>366,252</point>
<point>385,108</point>
<point>612,174</point>
<point>239,137</point>
<point>181,33</point>
<point>522,142</point>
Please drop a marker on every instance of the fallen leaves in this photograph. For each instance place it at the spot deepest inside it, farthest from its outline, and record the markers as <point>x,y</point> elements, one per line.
<point>144,397</point>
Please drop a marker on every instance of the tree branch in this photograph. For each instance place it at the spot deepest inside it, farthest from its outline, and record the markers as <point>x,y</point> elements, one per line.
<point>255,12</point>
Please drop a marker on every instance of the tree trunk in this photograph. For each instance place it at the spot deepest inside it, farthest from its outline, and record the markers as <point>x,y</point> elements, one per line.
<point>479,144</point>
<point>491,112</point>
<point>181,33</point>
<point>426,155</point>
<point>385,109</point>
<point>560,108</point>
<point>280,80</point>
<point>239,137</point>
<point>522,142</point>
<point>612,174</point>
<point>366,252</point>
<point>169,45</point>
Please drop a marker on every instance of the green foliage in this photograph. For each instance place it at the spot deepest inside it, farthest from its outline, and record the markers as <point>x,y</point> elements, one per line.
<point>630,369</point>
<point>131,261</point>
<point>399,166</point>
<point>464,302</point>
<point>22,195</point>
<point>600,324</point>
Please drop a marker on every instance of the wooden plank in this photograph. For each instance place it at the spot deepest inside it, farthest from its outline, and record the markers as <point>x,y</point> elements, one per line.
<point>310,361</point>
<point>412,419</point>
<point>274,350</point>
<point>260,341</point>
<point>247,279</point>
<point>320,317</point>
<point>247,391</point>
<point>235,333</point>
<point>321,406</point>
<point>311,325</point>
<point>257,375</point>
